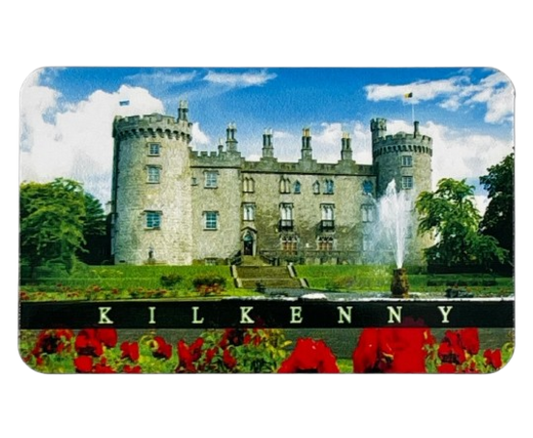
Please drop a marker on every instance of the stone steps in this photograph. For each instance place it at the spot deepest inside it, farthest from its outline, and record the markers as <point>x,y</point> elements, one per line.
<point>257,277</point>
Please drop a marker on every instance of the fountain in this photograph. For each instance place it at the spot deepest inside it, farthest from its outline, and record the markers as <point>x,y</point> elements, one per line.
<point>395,217</point>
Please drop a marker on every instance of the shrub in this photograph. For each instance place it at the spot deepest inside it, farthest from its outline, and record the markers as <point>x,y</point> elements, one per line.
<point>170,280</point>
<point>209,284</point>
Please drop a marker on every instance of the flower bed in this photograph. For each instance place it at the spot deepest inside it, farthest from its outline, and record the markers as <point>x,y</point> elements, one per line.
<point>386,350</point>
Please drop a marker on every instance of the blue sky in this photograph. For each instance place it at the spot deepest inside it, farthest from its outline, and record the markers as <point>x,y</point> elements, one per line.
<point>66,113</point>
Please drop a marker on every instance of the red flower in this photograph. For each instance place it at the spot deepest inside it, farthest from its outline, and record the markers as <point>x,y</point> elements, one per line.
<point>83,364</point>
<point>391,350</point>
<point>87,344</point>
<point>107,336</point>
<point>446,367</point>
<point>130,350</point>
<point>162,349</point>
<point>470,339</point>
<point>132,370</point>
<point>310,356</point>
<point>493,357</point>
<point>229,360</point>
<point>51,341</point>
<point>185,358</point>
<point>100,368</point>
<point>210,354</point>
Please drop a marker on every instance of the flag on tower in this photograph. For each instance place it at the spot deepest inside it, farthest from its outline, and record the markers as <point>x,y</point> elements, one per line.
<point>408,95</point>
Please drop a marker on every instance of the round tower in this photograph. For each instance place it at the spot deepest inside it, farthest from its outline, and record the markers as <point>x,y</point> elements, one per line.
<point>403,157</point>
<point>151,193</point>
<point>406,159</point>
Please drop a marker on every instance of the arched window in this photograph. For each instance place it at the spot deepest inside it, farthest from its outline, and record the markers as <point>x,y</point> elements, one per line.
<point>248,185</point>
<point>367,213</point>
<point>297,188</point>
<point>284,185</point>
<point>316,188</point>
<point>329,187</point>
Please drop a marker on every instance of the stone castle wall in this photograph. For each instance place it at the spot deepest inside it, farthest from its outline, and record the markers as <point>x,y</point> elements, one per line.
<point>184,197</point>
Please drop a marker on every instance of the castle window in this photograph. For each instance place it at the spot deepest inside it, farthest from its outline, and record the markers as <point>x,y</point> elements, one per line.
<point>407,160</point>
<point>211,220</point>
<point>368,187</point>
<point>286,222</point>
<point>289,244</point>
<point>248,185</point>
<point>325,244</point>
<point>367,242</point>
<point>284,185</point>
<point>327,212</point>
<point>194,181</point>
<point>211,180</point>
<point>297,188</point>
<point>248,211</point>
<point>154,174</point>
<point>153,219</point>
<point>316,188</point>
<point>367,213</point>
<point>154,149</point>
<point>329,187</point>
<point>407,182</point>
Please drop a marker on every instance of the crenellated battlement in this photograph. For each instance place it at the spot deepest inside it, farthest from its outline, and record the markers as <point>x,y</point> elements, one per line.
<point>215,159</point>
<point>152,125</point>
<point>402,142</point>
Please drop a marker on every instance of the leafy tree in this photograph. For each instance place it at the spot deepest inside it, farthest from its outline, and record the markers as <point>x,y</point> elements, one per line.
<point>498,220</point>
<point>51,222</point>
<point>450,214</point>
<point>94,223</point>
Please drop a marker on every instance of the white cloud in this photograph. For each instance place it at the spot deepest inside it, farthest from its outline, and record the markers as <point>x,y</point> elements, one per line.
<point>75,142</point>
<point>495,91</point>
<point>423,90</point>
<point>165,76</point>
<point>198,136</point>
<point>239,80</point>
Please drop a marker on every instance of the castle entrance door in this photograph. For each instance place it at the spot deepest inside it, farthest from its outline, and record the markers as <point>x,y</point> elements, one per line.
<point>248,244</point>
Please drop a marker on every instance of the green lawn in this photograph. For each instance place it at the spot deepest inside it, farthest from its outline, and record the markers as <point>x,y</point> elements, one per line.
<point>125,281</point>
<point>378,278</point>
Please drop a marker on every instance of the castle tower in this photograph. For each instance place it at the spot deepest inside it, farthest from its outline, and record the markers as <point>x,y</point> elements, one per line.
<point>406,159</point>
<point>151,192</point>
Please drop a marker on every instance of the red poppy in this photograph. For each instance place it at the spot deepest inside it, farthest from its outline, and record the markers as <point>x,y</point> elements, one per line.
<point>103,368</point>
<point>210,354</point>
<point>83,364</point>
<point>185,358</point>
<point>130,350</point>
<point>470,339</point>
<point>107,336</point>
<point>310,356</point>
<point>51,341</point>
<point>162,349</point>
<point>87,344</point>
<point>229,360</point>
<point>391,350</point>
<point>447,368</point>
<point>132,370</point>
<point>493,357</point>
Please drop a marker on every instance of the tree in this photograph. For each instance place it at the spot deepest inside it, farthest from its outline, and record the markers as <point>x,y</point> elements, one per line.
<point>451,215</point>
<point>96,248</point>
<point>51,222</point>
<point>94,223</point>
<point>498,220</point>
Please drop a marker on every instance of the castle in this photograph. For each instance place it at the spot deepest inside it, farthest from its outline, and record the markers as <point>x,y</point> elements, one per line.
<point>177,206</point>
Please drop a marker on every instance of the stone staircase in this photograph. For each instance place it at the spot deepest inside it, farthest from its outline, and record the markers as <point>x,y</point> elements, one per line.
<point>254,274</point>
